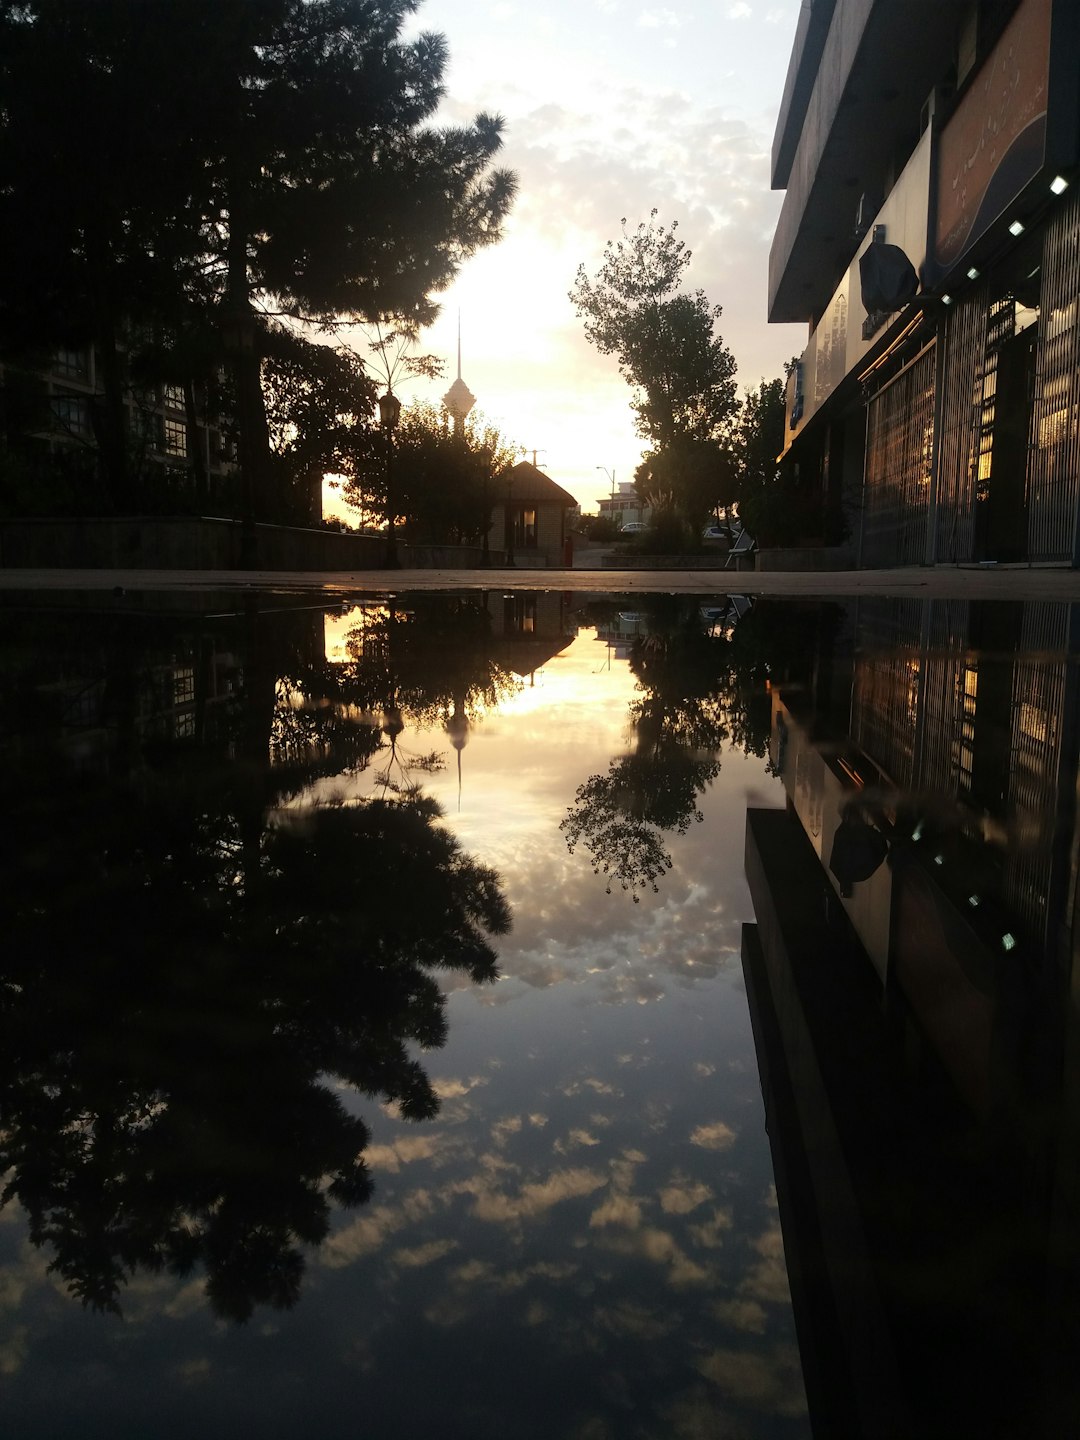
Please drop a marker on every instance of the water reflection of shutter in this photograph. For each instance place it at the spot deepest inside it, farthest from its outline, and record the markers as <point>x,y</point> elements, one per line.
<point>1053,482</point>
<point>899,457</point>
<point>888,682</point>
<point>1038,717</point>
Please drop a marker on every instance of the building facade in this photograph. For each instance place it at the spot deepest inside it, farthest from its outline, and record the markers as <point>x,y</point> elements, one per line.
<point>49,414</point>
<point>624,506</point>
<point>930,240</point>
<point>529,521</point>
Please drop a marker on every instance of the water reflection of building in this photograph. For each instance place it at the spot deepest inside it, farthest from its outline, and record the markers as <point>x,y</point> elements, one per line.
<point>528,628</point>
<point>117,682</point>
<point>917,1026</point>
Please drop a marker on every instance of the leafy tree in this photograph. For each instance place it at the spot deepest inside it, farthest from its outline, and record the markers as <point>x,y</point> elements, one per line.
<point>100,240</point>
<point>445,477</point>
<point>250,158</point>
<point>668,349</point>
<point>776,507</point>
<point>319,399</point>
<point>690,477</point>
<point>758,441</point>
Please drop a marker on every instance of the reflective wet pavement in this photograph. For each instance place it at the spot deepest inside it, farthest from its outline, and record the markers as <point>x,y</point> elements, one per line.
<point>397,990</point>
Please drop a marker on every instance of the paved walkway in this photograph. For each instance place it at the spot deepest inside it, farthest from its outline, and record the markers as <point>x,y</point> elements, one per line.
<point>984,583</point>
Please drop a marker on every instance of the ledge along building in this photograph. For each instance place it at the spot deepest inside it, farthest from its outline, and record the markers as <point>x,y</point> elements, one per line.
<point>930,239</point>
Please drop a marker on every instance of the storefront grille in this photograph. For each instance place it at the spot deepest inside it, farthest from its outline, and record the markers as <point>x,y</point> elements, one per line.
<point>1039,681</point>
<point>1053,481</point>
<point>899,457</point>
<point>962,427</point>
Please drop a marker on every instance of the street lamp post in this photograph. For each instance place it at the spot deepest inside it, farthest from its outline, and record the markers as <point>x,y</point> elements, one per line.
<point>611,476</point>
<point>389,414</point>
<point>485,553</point>
<point>509,523</point>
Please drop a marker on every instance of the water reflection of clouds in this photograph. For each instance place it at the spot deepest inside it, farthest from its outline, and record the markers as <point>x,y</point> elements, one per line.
<point>602,1192</point>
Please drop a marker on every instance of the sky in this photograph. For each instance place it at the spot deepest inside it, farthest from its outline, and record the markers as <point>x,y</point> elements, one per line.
<point>612,108</point>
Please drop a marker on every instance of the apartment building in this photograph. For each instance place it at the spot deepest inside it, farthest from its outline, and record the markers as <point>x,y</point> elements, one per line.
<point>930,240</point>
<point>48,412</point>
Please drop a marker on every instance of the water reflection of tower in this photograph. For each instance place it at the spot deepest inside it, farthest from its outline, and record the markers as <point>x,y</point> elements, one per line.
<point>457,729</point>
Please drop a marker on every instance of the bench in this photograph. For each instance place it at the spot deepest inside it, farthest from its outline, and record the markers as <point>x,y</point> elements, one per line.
<point>744,545</point>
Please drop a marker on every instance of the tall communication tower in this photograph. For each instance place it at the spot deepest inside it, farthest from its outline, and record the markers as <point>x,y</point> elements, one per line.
<point>459,399</point>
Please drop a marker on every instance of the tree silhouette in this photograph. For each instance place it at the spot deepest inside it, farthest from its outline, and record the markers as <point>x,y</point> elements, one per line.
<point>666,343</point>
<point>251,158</point>
<point>679,724</point>
<point>186,962</point>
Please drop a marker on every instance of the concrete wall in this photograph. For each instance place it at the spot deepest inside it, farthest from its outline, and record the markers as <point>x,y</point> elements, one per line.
<point>193,543</point>
<point>822,557</point>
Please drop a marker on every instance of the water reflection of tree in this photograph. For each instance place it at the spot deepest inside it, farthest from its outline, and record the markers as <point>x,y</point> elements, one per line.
<point>430,659</point>
<point>703,688</point>
<point>678,726</point>
<point>189,976</point>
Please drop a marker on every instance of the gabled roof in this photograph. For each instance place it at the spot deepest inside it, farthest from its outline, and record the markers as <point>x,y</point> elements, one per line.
<point>529,483</point>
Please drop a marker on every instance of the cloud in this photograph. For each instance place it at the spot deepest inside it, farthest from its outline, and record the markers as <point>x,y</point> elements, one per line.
<point>716,1136</point>
<point>503,1129</point>
<point>414,1257</point>
<point>659,20</point>
<point>630,1317</point>
<point>13,1350</point>
<point>402,1152</point>
<point>770,1382</point>
<point>370,1231</point>
<point>745,1315</point>
<point>575,1140</point>
<point>532,1199</point>
<point>451,1089</point>
<point>620,1210</point>
<point>709,1234</point>
<point>598,1087</point>
<point>768,1279</point>
<point>660,1248</point>
<point>683,1195</point>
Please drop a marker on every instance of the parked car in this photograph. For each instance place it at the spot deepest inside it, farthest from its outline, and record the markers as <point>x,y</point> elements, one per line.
<point>633,527</point>
<point>720,532</point>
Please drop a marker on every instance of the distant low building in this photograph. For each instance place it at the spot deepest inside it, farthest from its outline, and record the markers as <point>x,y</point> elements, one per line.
<point>625,506</point>
<point>531,519</point>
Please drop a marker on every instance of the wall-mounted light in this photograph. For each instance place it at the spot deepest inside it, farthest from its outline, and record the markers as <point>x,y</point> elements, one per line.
<point>1059,184</point>
<point>1008,941</point>
<point>1016,228</point>
<point>974,901</point>
<point>946,299</point>
<point>973,272</point>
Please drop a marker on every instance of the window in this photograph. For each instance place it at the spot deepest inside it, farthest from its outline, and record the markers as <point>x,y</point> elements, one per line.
<point>525,537</point>
<point>175,438</point>
<point>72,363</point>
<point>146,427</point>
<point>71,413</point>
<point>172,397</point>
